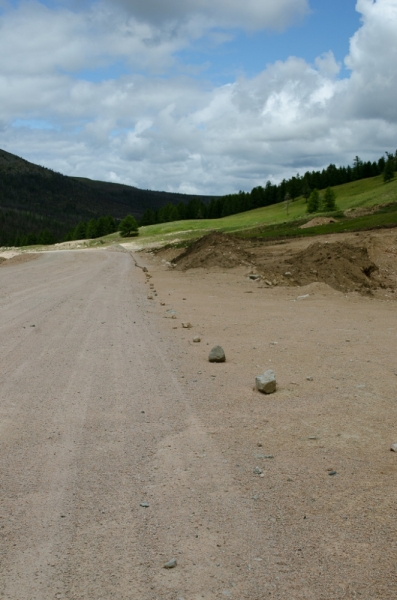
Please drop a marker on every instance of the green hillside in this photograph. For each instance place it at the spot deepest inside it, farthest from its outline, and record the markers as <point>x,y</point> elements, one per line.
<point>275,221</point>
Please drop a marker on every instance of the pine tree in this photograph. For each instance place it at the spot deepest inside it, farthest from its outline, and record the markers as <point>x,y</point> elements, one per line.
<point>329,199</point>
<point>91,231</point>
<point>313,203</point>
<point>388,173</point>
<point>80,231</point>
<point>128,226</point>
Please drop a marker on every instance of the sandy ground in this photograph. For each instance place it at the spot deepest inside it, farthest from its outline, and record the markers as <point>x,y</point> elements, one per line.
<point>106,403</point>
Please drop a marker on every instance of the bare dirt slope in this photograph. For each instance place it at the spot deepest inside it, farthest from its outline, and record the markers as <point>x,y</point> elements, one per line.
<point>345,262</point>
<point>107,403</point>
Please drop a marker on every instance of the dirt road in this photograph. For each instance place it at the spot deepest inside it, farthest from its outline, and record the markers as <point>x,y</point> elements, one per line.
<point>105,406</point>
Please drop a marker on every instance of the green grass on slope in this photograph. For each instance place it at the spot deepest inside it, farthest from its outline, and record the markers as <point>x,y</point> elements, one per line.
<point>376,221</point>
<point>359,194</point>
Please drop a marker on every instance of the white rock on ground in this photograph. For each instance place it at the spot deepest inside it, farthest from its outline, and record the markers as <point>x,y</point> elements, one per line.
<point>266,383</point>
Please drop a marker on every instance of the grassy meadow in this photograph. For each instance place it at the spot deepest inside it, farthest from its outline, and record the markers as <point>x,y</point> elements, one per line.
<point>279,220</point>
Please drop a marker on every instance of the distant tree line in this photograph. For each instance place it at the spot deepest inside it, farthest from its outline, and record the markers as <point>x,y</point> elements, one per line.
<point>23,228</point>
<point>296,186</point>
<point>95,228</point>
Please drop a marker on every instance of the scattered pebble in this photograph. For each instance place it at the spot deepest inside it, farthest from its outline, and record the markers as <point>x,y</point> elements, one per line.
<point>332,473</point>
<point>197,339</point>
<point>394,448</point>
<point>150,297</point>
<point>171,564</point>
<point>257,471</point>
<point>309,378</point>
<point>144,505</point>
<point>187,325</point>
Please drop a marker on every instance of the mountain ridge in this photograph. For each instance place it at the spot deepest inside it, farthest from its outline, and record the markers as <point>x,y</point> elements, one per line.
<point>33,198</point>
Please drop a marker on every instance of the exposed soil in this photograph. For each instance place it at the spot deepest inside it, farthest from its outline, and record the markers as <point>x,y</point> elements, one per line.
<point>318,221</point>
<point>18,259</point>
<point>342,265</point>
<point>215,250</point>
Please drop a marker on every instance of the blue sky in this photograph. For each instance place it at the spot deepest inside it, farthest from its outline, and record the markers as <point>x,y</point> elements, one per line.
<point>197,96</point>
<point>329,26</point>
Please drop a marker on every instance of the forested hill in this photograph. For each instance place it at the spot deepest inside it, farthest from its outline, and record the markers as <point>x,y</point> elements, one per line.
<point>34,198</point>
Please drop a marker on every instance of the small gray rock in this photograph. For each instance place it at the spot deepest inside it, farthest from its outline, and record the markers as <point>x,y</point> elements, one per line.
<point>197,339</point>
<point>171,564</point>
<point>266,383</point>
<point>217,355</point>
<point>394,448</point>
<point>257,471</point>
<point>144,505</point>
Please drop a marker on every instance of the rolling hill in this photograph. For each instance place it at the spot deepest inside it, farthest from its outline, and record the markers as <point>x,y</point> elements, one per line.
<point>33,198</point>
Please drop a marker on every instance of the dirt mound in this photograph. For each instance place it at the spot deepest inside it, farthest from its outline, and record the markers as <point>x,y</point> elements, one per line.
<point>342,266</point>
<point>214,250</point>
<point>318,221</point>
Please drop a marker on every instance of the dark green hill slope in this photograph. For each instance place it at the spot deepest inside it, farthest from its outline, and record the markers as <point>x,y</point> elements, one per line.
<point>33,198</point>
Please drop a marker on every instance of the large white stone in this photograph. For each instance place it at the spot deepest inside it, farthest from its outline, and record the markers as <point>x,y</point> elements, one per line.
<point>266,383</point>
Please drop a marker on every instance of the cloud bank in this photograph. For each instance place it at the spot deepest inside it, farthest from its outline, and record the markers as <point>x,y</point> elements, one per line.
<point>134,119</point>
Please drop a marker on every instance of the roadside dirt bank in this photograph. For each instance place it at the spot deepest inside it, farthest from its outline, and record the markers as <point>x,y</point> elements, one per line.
<point>107,403</point>
<point>317,535</point>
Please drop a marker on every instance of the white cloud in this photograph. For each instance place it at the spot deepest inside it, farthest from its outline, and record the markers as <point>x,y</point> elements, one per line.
<point>176,133</point>
<point>372,60</point>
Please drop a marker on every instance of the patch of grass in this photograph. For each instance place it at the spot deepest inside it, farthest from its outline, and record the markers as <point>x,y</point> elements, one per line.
<point>379,220</point>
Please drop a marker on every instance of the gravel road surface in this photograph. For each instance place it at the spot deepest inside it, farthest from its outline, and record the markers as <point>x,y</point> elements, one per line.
<point>94,423</point>
<point>122,448</point>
